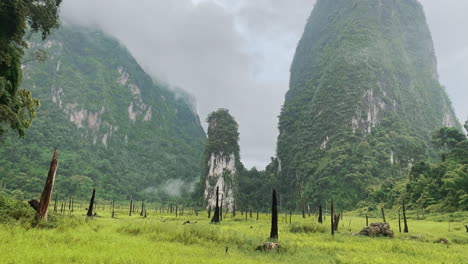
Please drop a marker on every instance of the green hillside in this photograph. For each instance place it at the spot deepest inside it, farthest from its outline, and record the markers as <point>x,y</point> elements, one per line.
<point>363,102</point>
<point>115,128</point>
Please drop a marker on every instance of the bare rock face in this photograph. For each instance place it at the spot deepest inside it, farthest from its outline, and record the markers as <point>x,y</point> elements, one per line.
<point>377,230</point>
<point>222,169</point>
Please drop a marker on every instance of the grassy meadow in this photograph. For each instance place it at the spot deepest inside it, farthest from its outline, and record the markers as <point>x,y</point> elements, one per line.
<point>163,238</point>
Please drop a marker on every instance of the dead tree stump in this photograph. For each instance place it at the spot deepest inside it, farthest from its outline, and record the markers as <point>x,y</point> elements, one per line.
<point>215,219</point>
<point>274,217</point>
<point>91,204</point>
<point>48,187</point>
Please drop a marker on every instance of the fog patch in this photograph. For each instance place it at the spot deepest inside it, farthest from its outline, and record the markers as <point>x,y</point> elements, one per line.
<point>171,188</point>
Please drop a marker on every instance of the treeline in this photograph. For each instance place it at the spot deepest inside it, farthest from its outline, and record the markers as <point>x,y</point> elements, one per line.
<point>433,186</point>
<point>430,185</point>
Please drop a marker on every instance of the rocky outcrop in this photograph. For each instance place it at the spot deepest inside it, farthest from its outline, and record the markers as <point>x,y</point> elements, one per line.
<point>377,230</point>
<point>268,246</point>
<point>221,174</point>
<point>222,160</point>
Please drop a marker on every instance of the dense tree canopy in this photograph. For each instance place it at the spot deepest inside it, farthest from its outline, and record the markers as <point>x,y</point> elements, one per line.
<point>17,17</point>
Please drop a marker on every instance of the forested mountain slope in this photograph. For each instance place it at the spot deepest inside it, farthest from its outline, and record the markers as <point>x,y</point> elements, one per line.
<point>363,102</point>
<point>115,128</point>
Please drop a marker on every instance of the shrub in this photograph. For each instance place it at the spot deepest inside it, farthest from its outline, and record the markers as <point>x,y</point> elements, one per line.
<point>12,210</point>
<point>308,228</point>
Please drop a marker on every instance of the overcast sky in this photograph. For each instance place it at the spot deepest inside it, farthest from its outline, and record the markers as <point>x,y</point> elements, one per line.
<point>237,54</point>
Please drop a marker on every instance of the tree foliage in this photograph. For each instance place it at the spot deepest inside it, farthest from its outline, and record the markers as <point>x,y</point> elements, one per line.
<point>17,107</point>
<point>441,186</point>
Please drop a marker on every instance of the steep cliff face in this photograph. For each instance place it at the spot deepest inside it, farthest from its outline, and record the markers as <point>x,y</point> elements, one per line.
<point>114,126</point>
<point>363,101</point>
<point>222,160</point>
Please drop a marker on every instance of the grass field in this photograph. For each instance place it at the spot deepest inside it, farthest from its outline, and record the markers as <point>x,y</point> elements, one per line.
<point>162,238</point>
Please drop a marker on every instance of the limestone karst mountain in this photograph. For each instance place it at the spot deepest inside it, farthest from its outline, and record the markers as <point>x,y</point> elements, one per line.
<point>116,129</point>
<point>222,160</point>
<point>363,101</point>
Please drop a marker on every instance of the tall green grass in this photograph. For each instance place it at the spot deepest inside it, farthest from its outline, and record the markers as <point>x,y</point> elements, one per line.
<point>163,238</point>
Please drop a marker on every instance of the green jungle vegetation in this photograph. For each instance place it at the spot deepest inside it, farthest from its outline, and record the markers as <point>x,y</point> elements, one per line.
<point>116,129</point>
<point>363,103</point>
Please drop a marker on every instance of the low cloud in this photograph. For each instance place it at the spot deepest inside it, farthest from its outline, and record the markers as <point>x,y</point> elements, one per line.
<point>172,188</point>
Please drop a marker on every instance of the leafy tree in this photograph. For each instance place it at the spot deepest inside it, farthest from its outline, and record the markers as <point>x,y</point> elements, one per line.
<point>17,107</point>
<point>448,137</point>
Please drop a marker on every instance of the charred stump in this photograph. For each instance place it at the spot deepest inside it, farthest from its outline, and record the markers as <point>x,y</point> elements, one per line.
<point>91,204</point>
<point>405,222</point>
<point>113,212</point>
<point>274,217</point>
<point>332,212</point>
<point>55,203</point>
<point>131,207</point>
<point>215,219</point>
<point>399,221</point>
<point>320,217</point>
<point>336,221</point>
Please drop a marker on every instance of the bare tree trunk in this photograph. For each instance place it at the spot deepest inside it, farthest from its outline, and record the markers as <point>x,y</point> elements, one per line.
<point>55,204</point>
<point>221,208</point>
<point>131,206</point>
<point>367,220</point>
<point>48,187</point>
<point>404,219</point>
<point>113,212</point>
<point>215,219</point>
<point>234,210</point>
<point>320,218</point>
<point>399,221</point>
<point>383,215</point>
<point>274,217</point>
<point>331,218</point>
<point>142,208</point>
<point>303,209</point>
<point>336,221</point>
<point>91,204</point>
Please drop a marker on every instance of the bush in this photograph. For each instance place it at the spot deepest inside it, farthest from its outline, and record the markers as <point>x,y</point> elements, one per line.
<point>308,228</point>
<point>12,210</point>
